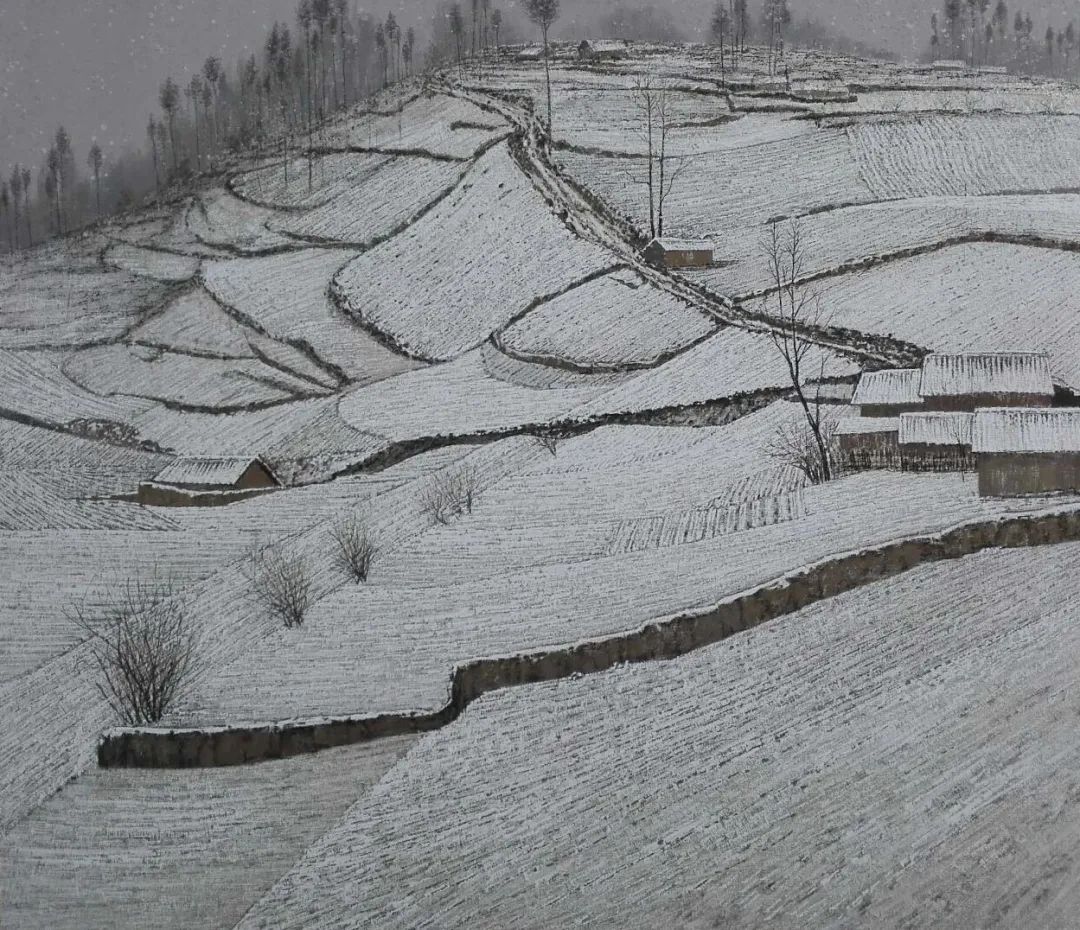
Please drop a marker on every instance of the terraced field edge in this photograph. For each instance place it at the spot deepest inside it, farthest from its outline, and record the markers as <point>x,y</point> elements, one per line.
<point>669,638</point>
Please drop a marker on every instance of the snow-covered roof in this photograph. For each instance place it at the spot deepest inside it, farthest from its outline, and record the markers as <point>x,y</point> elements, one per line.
<point>671,244</point>
<point>936,429</point>
<point>986,373</point>
<point>893,386</point>
<point>206,472</point>
<point>862,426</point>
<point>1026,429</point>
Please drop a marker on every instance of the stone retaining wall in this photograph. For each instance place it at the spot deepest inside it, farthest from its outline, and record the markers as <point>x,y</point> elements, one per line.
<point>664,639</point>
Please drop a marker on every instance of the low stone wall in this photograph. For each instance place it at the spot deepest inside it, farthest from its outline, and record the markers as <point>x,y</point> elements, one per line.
<point>664,639</point>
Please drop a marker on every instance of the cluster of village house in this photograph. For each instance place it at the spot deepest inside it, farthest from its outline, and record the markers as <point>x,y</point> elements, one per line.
<point>989,412</point>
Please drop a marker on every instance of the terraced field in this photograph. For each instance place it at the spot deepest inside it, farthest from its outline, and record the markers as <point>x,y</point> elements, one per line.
<point>853,764</point>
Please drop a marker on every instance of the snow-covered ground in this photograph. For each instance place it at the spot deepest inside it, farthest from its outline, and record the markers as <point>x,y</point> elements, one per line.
<point>296,322</point>
<point>903,755</point>
<point>176,850</point>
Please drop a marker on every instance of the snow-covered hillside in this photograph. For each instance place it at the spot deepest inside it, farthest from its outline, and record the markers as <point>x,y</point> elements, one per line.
<point>438,294</point>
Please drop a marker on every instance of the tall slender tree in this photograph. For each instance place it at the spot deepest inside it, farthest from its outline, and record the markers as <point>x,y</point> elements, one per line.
<point>5,208</point>
<point>152,132</point>
<point>27,177</point>
<point>16,185</point>
<point>496,25</point>
<point>544,13</point>
<point>96,160</point>
<point>169,98</point>
<point>52,184</point>
<point>457,30</point>
<point>194,93</point>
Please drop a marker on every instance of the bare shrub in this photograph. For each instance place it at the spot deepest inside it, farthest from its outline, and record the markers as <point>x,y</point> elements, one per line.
<point>144,645</point>
<point>548,439</point>
<point>282,584</point>
<point>356,548</point>
<point>799,446</point>
<point>451,495</point>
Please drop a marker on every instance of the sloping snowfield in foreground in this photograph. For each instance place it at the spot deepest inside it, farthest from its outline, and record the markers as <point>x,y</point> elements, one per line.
<point>176,850</point>
<point>903,755</point>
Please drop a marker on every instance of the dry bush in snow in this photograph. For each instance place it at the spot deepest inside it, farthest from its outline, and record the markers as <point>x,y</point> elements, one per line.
<point>144,645</point>
<point>282,584</point>
<point>356,548</point>
<point>451,495</point>
<point>796,444</point>
<point>548,439</point>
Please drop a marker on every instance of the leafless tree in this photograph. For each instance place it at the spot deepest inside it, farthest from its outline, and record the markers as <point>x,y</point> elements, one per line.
<point>356,548</point>
<point>451,495</point>
<point>543,13</point>
<point>548,439</point>
<point>797,310</point>
<point>655,120</point>
<point>797,445</point>
<point>145,647</point>
<point>282,584</point>
<point>960,434</point>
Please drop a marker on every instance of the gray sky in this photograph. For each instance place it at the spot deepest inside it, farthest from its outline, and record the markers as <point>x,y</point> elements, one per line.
<point>95,65</point>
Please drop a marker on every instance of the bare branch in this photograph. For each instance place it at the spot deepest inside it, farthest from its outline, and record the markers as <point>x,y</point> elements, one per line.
<point>144,646</point>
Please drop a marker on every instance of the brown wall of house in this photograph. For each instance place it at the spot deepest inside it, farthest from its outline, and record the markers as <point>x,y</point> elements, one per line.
<point>256,476</point>
<point>864,451</point>
<point>1012,474</point>
<point>888,410</point>
<point>921,456</point>
<point>967,403</point>
<point>160,495</point>
<point>679,259</point>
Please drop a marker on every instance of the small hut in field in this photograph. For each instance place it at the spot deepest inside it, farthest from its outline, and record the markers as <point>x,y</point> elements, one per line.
<point>888,393</point>
<point>194,482</point>
<point>1027,451</point>
<point>868,442</point>
<point>936,441</point>
<point>988,379</point>
<point>668,252</point>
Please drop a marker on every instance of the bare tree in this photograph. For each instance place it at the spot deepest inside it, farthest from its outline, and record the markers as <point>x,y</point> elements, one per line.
<point>356,548</point>
<point>656,118</point>
<point>548,439</point>
<point>797,445</point>
<point>144,645</point>
<point>282,584</point>
<point>169,98</point>
<point>96,160</point>
<point>543,13</point>
<point>451,495</point>
<point>797,310</point>
<point>194,93</point>
<point>151,131</point>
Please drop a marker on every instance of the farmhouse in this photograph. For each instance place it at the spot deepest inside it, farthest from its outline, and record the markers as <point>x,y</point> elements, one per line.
<point>1027,451</point>
<point>679,253</point>
<point>868,442</point>
<point>205,482</point>
<point>888,393</point>
<point>603,49</point>
<point>950,64</point>
<point>1001,379</point>
<point>936,441</point>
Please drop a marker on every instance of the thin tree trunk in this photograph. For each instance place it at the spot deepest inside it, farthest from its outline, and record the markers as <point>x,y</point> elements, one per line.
<point>547,74</point>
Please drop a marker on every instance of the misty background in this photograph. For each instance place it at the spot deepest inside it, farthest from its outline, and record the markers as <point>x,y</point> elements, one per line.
<point>95,65</point>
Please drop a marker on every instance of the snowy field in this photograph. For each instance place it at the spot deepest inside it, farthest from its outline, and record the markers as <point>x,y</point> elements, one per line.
<point>981,297</point>
<point>435,297</point>
<point>482,255</point>
<point>903,755</point>
<point>617,320</point>
<point>176,850</point>
<point>620,526</point>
